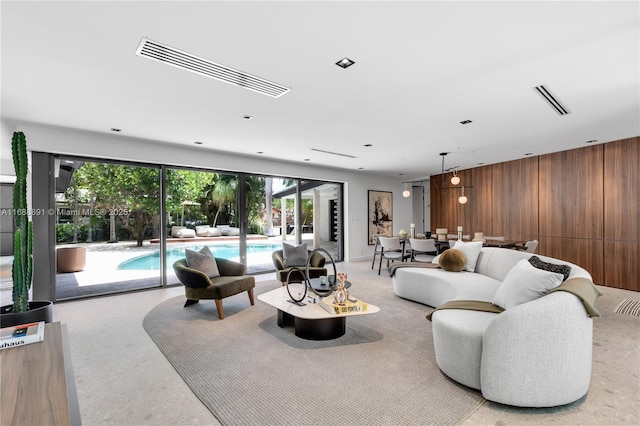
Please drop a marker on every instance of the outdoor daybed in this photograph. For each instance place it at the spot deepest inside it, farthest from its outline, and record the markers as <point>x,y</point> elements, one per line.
<point>534,353</point>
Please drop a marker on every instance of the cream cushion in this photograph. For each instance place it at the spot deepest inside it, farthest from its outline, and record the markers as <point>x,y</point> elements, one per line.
<point>202,230</point>
<point>471,251</point>
<point>525,283</point>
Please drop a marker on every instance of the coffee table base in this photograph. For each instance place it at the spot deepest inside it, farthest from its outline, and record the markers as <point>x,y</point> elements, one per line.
<point>314,329</point>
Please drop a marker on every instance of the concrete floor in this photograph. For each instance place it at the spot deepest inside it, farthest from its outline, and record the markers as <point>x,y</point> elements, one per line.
<point>123,379</point>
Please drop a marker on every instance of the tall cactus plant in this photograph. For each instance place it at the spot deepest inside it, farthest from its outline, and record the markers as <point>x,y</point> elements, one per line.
<point>22,270</point>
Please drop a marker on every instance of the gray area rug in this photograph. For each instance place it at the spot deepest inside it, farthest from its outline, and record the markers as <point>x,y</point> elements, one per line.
<point>248,371</point>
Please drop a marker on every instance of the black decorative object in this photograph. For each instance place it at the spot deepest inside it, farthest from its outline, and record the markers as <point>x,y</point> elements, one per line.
<point>331,283</point>
<point>297,300</point>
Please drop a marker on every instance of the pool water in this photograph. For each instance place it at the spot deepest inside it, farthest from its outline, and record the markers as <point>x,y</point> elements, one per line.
<point>151,261</point>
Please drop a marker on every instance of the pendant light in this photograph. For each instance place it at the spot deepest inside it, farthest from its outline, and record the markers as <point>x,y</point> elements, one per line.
<point>463,198</point>
<point>455,179</point>
<point>406,193</point>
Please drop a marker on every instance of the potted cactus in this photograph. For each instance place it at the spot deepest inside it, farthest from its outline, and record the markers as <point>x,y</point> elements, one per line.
<point>22,310</point>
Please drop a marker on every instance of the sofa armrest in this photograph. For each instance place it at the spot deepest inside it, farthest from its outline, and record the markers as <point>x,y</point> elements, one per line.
<point>190,277</point>
<point>538,354</point>
<point>278,259</point>
<point>317,260</point>
<point>228,267</point>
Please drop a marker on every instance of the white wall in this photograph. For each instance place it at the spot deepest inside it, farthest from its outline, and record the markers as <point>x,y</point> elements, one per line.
<point>6,161</point>
<point>68,141</point>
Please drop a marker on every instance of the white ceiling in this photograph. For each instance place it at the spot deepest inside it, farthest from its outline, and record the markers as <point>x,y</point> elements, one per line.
<point>421,68</point>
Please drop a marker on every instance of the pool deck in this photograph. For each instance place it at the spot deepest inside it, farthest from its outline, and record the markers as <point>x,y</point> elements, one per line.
<point>221,238</point>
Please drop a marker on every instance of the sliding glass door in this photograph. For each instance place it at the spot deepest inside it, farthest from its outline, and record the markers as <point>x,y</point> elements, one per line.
<point>120,227</point>
<point>107,227</point>
<point>201,210</point>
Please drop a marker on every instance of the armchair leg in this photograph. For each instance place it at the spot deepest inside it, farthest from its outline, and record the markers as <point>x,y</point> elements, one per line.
<point>190,302</point>
<point>250,291</point>
<point>219,308</point>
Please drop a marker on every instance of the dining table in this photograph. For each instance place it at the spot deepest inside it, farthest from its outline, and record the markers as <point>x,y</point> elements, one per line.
<point>510,244</point>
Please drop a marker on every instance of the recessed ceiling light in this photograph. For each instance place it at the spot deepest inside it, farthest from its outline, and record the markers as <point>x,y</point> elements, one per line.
<point>592,141</point>
<point>368,145</point>
<point>247,117</point>
<point>528,153</point>
<point>198,143</point>
<point>307,159</point>
<point>345,63</point>
<point>481,164</point>
<point>360,168</point>
<point>260,152</point>
<point>400,174</point>
<point>466,122</point>
<point>113,129</point>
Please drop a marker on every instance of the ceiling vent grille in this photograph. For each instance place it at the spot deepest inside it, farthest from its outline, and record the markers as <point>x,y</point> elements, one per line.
<point>186,61</point>
<point>333,153</point>
<point>551,100</point>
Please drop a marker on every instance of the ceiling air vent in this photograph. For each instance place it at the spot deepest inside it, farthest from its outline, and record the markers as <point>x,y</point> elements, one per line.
<point>332,153</point>
<point>186,61</point>
<point>551,100</point>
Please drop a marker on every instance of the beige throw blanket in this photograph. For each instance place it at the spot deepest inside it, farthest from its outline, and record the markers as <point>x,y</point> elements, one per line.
<point>582,288</point>
<point>470,305</point>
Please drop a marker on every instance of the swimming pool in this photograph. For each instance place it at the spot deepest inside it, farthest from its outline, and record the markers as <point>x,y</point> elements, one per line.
<point>151,261</point>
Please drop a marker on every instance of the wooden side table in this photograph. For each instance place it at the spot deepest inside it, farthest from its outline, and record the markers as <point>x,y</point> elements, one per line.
<point>38,385</point>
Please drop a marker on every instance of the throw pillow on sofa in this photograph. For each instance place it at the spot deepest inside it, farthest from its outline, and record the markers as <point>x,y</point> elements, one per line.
<point>471,251</point>
<point>525,283</point>
<point>202,261</point>
<point>294,255</point>
<point>453,260</point>
<point>565,270</point>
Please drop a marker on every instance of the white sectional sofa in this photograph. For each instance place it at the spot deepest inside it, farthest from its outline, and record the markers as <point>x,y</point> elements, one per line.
<point>535,354</point>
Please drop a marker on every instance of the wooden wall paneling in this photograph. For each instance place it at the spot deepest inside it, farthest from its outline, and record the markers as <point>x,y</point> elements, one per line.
<point>481,204</point>
<point>583,206</point>
<point>572,193</point>
<point>622,269</point>
<point>523,213</point>
<point>621,181</point>
<point>445,202</point>
<point>515,204</point>
<point>499,207</point>
<point>589,254</point>
<point>435,203</point>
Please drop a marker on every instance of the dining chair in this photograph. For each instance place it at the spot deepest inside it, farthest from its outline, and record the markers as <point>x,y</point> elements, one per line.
<point>423,250</point>
<point>376,249</point>
<point>390,249</point>
<point>531,246</point>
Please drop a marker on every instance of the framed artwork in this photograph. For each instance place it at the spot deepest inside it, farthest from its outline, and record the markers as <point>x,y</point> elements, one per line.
<point>380,214</point>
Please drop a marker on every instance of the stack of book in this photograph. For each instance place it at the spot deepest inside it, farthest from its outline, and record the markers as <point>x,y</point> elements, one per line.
<point>352,305</point>
<point>22,334</point>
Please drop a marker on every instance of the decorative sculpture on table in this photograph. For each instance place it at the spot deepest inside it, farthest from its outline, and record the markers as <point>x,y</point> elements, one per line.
<point>341,295</point>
